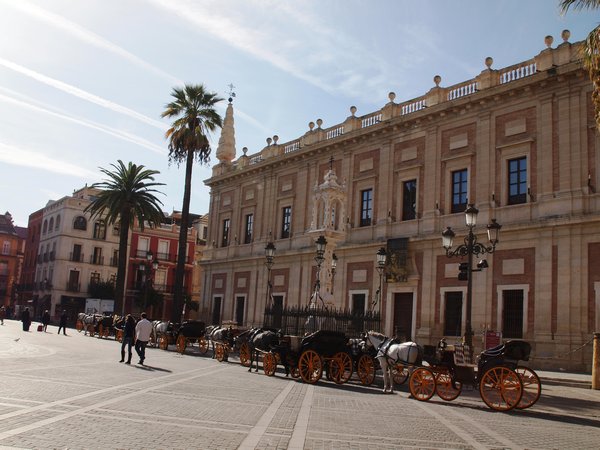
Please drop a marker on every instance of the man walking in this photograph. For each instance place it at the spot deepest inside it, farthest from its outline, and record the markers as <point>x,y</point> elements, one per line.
<point>142,336</point>
<point>63,322</point>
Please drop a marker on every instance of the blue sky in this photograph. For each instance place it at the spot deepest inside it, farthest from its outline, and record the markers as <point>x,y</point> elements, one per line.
<point>83,82</point>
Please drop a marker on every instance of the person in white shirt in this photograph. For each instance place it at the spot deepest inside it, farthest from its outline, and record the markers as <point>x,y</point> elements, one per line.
<point>143,329</point>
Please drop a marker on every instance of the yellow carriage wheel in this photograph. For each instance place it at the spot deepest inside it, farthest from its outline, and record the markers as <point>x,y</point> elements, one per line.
<point>366,369</point>
<point>500,388</point>
<point>422,384</point>
<point>245,354</point>
<point>269,364</point>
<point>310,366</point>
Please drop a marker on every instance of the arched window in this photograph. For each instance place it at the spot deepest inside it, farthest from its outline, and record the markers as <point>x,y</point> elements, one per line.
<point>80,223</point>
<point>45,227</point>
<point>51,225</point>
<point>57,222</point>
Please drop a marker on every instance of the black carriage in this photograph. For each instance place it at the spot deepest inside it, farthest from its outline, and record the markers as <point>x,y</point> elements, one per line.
<point>502,382</point>
<point>189,333</point>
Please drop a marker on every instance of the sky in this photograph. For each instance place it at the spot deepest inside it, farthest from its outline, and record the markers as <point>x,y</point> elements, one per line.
<point>83,82</point>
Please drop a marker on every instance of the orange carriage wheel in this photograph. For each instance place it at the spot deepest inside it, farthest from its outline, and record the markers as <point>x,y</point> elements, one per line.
<point>100,331</point>
<point>310,366</point>
<point>91,330</point>
<point>219,352</point>
<point>444,387</point>
<point>119,335</point>
<point>400,373</point>
<point>500,388</point>
<point>163,342</point>
<point>342,367</point>
<point>245,354</point>
<point>532,387</point>
<point>79,326</point>
<point>269,364</point>
<point>366,369</point>
<point>202,345</point>
<point>295,372</point>
<point>181,343</point>
<point>422,384</point>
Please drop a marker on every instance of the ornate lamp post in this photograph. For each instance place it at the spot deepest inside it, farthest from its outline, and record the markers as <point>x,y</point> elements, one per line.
<point>152,266</point>
<point>381,260</point>
<point>321,244</point>
<point>270,257</point>
<point>469,248</point>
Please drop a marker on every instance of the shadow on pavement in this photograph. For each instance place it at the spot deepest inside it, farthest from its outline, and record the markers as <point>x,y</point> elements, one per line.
<point>150,368</point>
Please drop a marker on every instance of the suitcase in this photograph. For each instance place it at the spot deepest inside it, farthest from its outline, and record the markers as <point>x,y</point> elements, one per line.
<point>40,327</point>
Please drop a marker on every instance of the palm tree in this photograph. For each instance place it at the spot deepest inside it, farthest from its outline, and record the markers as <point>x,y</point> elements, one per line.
<point>194,110</point>
<point>128,193</point>
<point>591,50</point>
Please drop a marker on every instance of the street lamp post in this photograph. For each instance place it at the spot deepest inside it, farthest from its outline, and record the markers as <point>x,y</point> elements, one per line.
<point>381,260</point>
<point>469,249</point>
<point>152,266</point>
<point>334,260</point>
<point>321,244</point>
<point>270,260</point>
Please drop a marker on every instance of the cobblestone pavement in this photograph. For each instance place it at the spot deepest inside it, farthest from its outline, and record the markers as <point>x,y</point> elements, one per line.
<point>70,392</point>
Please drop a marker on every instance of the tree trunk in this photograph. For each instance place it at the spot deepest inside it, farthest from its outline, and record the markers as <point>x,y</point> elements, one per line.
<point>176,313</point>
<point>125,219</point>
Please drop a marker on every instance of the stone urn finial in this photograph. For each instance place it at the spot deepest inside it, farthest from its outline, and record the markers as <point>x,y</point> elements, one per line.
<point>269,140</point>
<point>319,123</point>
<point>245,150</point>
<point>392,96</point>
<point>311,125</point>
<point>353,110</point>
<point>566,34</point>
<point>275,139</point>
<point>488,62</point>
<point>437,80</point>
<point>548,40</point>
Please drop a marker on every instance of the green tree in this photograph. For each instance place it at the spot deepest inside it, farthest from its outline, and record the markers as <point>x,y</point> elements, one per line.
<point>195,117</point>
<point>127,194</point>
<point>591,49</point>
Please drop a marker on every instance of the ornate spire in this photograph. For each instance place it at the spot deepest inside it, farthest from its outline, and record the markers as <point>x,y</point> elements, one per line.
<point>226,148</point>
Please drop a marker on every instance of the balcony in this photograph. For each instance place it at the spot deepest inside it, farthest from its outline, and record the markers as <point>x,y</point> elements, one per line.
<point>76,257</point>
<point>73,287</point>
<point>164,256</point>
<point>97,260</point>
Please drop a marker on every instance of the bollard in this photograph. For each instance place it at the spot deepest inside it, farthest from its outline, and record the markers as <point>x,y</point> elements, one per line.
<point>596,363</point>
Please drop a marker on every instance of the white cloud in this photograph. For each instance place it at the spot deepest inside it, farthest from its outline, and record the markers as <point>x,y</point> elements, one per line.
<point>124,135</point>
<point>85,35</point>
<point>80,93</point>
<point>19,156</point>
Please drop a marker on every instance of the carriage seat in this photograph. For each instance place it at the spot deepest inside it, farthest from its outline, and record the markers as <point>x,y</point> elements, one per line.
<point>514,350</point>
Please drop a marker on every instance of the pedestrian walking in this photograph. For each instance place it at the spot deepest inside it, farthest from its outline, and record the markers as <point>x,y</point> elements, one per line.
<point>45,320</point>
<point>63,323</point>
<point>2,314</point>
<point>26,319</point>
<point>143,329</point>
<point>128,338</point>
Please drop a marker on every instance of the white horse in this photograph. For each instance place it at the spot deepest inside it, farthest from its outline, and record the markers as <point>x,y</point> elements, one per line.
<point>390,353</point>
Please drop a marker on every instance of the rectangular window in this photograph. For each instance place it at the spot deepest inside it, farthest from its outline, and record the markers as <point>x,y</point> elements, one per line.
<point>366,207</point>
<point>76,254</point>
<point>517,181</point>
<point>163,250</point>
<point>459,191</point>
<point>225,233</point>
<point>453,314</point>
<point>248,228</point>
<point>409,200</point>
<point>97,256</point>
<point>239,310</point>
<point>94,278</point>
<point>286,222</point>
<point>6,248</point>
<point>100,230</point>
<point>512,313</point>
<point>143,247</point>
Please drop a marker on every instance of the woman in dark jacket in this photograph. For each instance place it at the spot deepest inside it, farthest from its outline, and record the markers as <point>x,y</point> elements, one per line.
<point>26,319</point>
<point>128,337</point>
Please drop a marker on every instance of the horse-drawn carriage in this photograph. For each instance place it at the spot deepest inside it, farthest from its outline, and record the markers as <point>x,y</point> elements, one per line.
<point>88,323</point>
<point>188,333</point>
<point>503,384</point>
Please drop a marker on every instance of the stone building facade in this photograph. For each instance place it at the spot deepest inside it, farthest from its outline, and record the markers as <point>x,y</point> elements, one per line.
<point>520,143</point>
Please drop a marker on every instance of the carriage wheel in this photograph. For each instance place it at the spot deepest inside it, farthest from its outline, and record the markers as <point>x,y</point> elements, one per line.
<point>422,384</point>
<point>181,343</point>
<point>100,331</point>
<point>202,345</point>
<point>220,352</point>
<point>500,388</point>
<point>91,330</point>
<point>79,326</point>
<point>269,364</point>
<point>444,387</point>
<point>341,367</point>
<point>366,369</point>
<point>310,366</point>
<point>245,354</point>
<point>163,342</point>
<point>105,332</point>
<point>400,373</point>
<point>532,388</point>
<point>294,372</point>
<point>119,335</point>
